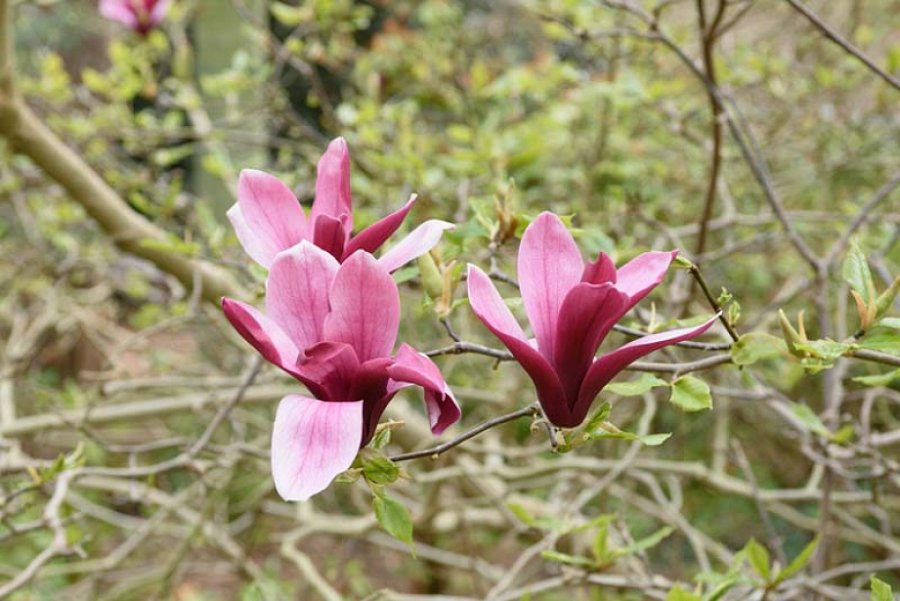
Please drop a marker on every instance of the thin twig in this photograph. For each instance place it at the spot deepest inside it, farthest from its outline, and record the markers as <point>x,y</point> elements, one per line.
<point>835,37</point>
<point>532,410</point>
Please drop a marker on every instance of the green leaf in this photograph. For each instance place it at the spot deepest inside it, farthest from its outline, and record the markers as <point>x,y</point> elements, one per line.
<point>809,420</point>
<point>572,560</point>
<point>523,514</point>
<point>885,301</point>
<point>382,438</point>
<point>719,591</point>
<point>799,562</point>
<point>881,590</point>
<point>654,440</point>
<point>881,339</point>
<point>679,594</point>
<point>890,322</point>
<point>645,543</point>
<point>376,468</point>
<point>691,394</point>
<point>879,379</point>
<point>856,271</point>
<point>636,387</point>
<point>601,543</point>
<point>682,263</point>
<point>607,430</point>
<point>597,419</point>
<point>759,559</point>
<point>349,476</point>
<point>826,349</point>
<point>289,16</point>
<point>393,517</point>
<point>757,346</point>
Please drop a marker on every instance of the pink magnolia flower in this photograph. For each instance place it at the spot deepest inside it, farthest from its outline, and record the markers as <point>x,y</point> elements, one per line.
<point>138,15</point>
<point>268,219</point>
<point>571,306</point>
<point>333,327</point>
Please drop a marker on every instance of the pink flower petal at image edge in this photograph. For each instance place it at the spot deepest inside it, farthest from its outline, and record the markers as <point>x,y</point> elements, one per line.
<point>571,307</point>
<point>138,15</point>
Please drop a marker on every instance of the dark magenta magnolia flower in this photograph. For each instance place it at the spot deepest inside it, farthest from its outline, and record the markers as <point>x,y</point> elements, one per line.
<point>268,219</point>
<point>138,15</point>
<point>571,306</point>
<point>333,327</point>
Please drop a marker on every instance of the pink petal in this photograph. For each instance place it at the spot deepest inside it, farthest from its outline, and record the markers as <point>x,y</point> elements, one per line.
<point>119,10</point>
<point>642,274</point>
<point>267,217</point>
<point>489,307</point>
<point>371,238</point>
<point>365,307</point>
<point>333,185</point>
<point>606,367</point>
<point>330,235</point>
<point>262,333</point>
<point>312,442</point>
<point>493,312</point>
<point>415,244</point>
<point>297,292</point>
<point>600,271</point>
<point>415,368</point>
<point>587,314</point>
<point>329,370</point>
<point>549,266</point>
<point>159,10</point>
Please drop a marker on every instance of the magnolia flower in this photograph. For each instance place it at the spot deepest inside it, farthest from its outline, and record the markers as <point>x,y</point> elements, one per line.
<point>571,306</point>
<point>138,15</point>
<point>333,327</point>
<point>268,219</point>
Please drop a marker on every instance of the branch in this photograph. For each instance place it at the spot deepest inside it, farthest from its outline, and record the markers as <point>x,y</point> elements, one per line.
<point>875,356</point>
<point>532,410</point>
<point>835,37</point>
<point>708,42</point>
<point>680,368</point>
<point>698,277</point>
<point>28,136</point>
<point>882,194</point>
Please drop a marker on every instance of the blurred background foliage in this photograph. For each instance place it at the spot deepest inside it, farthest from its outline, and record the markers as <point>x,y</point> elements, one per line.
<point>491,112</point>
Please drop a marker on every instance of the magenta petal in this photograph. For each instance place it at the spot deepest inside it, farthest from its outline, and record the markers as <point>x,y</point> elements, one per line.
<point>415,368</point>
<point>549,266</point>
<point>119,10</point>
<point>297,292</point>
<point>376,389</point>
<point>329,370</point>
<point>267,217</point>
<point>642,274</point>
<point>333,186</point>
<point>262,333</point>
<point>312,442</point>
<point>493,312</point>
<point>587,314</point>
<point>365,307</point>
<point>600,271</point>
<point>371,238</point>
<point>606,367</point>
<point>415,244</point>
<point>330,234</point>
